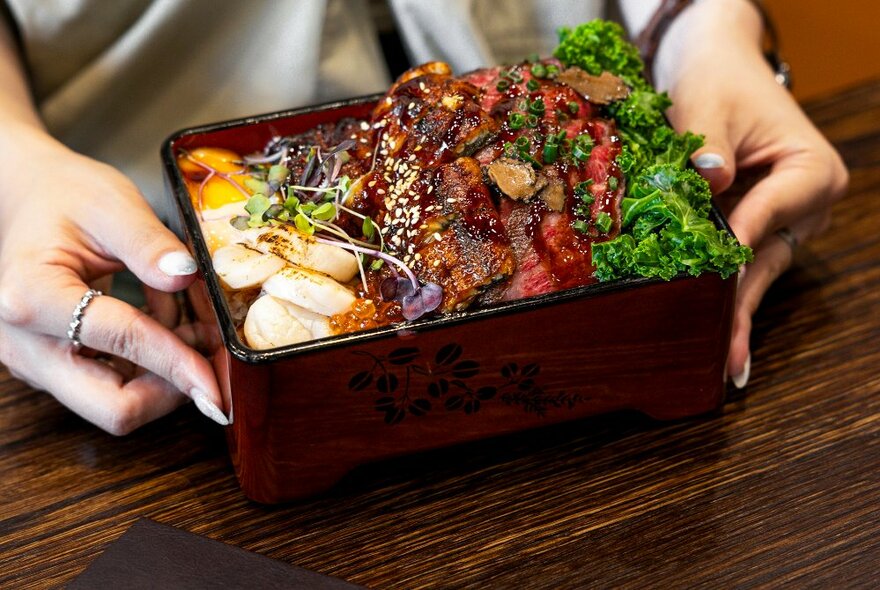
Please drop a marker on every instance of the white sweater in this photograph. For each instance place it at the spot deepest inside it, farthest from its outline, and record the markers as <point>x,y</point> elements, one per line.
<point>113,78</point>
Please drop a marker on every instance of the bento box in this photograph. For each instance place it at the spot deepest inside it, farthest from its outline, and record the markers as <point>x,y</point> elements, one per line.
<point>305,415</point>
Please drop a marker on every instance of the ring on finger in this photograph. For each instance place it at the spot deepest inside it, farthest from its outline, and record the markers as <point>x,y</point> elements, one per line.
<point>77,318</point>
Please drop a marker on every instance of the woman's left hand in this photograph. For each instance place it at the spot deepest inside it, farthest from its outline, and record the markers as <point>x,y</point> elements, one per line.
<point>711,64</point>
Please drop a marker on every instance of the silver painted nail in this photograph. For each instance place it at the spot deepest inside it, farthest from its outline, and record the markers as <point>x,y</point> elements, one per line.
<point>176,264</point>
<point>208,408</point>
<point>741,380</point>
<point>709,161</point>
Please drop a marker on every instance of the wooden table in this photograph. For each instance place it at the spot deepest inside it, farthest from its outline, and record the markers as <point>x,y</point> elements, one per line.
<point>782,486</point>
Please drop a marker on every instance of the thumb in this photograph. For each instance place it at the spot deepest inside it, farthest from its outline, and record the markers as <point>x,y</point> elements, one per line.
<point>716,160</point>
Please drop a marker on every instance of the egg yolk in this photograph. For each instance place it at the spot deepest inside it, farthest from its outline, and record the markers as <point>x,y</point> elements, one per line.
<point>218,191</point>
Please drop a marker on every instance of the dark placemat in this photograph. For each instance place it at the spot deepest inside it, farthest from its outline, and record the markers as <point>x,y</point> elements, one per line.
<point>153,555</point>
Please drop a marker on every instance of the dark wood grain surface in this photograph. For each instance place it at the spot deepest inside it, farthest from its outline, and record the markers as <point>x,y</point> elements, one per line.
<point>781,488</point>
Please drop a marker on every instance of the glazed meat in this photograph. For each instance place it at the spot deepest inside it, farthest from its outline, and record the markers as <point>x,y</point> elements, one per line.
<point>492,185</point>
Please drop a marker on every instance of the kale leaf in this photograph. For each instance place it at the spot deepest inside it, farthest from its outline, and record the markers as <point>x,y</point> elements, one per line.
<point>599,46</point>
<point>665,228</point>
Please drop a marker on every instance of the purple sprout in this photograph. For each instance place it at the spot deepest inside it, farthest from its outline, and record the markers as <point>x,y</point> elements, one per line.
<point>415,299</point>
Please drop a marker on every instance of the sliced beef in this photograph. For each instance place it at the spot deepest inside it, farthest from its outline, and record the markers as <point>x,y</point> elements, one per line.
<point>467,193</point>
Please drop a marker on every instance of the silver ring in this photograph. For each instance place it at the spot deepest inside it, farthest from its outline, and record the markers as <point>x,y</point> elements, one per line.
<point>77,317</point>
<point>786,235</point>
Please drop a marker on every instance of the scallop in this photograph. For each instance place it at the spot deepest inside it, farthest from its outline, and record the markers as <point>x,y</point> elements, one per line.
<point>269,324</point>
<point>219,233</point>
<point>240,267</point>
<point>314,291</point>
<point>304,251</point>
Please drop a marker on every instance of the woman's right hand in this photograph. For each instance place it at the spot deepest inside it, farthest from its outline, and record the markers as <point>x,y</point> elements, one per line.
<point>66,224</point>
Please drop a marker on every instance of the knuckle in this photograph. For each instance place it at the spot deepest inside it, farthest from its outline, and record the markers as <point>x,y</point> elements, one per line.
<point>16,308</point>
<point>840,177</point>
<point>126,341</point>
<point>125,419</point>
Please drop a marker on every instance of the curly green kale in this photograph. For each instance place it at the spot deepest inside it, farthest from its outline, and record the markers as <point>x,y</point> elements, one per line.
<point>599,46</point>
<point>664,227</point>
<point>665,230</point>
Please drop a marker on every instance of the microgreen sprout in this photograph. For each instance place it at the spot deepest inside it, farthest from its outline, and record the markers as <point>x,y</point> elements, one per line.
<point>313,205</point>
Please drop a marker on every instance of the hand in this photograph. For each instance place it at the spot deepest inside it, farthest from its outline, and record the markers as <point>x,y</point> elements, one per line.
<point>712,66</point>
<point>67,223</point>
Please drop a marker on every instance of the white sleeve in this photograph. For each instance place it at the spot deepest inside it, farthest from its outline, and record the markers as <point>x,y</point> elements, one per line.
<point>637,13</point>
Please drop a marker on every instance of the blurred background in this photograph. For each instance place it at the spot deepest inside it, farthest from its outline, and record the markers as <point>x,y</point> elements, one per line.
<point>830,45</point>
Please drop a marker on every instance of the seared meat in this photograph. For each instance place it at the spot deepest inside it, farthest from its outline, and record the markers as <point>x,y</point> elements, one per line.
<point>462,246</point>
<point>493,185</point>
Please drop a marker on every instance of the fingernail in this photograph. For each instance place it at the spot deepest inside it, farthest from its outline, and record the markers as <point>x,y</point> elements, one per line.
<point>176,264</point>
<point>741,380</point>
<point>709,161</point>
<point>208,408</point>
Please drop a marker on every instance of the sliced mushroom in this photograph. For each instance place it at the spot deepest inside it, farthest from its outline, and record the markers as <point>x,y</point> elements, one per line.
<point>603,89</point>
<point>553,195</point>
<point>515,178</point>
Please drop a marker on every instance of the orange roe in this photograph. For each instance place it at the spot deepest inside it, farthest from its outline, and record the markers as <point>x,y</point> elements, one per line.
<point>365,314</point>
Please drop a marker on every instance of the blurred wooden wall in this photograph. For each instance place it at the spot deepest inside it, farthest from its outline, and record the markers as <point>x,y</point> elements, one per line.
<point>830,44</point>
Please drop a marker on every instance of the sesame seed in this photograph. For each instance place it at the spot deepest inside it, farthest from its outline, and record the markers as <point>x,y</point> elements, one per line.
<point>418,256</point>
<point>365,125</point>
<point>371,184</point>
<point>381,191</point>
<point>436,263</point>
<point>437,236</point>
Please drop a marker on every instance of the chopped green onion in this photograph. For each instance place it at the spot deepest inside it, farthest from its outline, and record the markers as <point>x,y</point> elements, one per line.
<point>522,142</point>
<point>551,152</point>
<point>377,264</point>
<point>581,147</point>
<point>516,120</point>
<point>573,107</point>
<point>537,106</point>
<point>581,225</point>
<point>532,121</point>
<point>502,85</point>
<point>612,183</point>
<point>552,70</point>
<point>579,153</point>
<point>532,85</point>
<point>583,187</point>
<point>539,71</point>
<point>603,222</point>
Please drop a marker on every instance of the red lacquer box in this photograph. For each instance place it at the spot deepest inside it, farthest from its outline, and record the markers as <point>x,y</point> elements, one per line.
<point>307,414</point>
